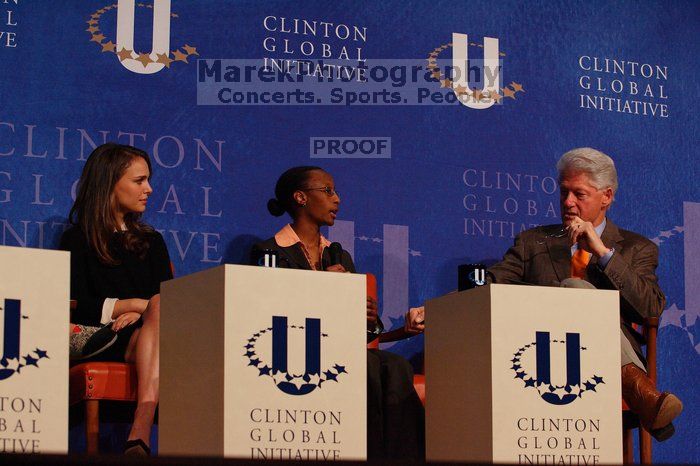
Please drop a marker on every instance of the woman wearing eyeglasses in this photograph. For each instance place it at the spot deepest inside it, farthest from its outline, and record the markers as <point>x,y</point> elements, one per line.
<point>395,418</point>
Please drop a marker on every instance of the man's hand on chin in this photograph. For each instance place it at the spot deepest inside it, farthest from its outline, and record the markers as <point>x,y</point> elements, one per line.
<point>584,234</point>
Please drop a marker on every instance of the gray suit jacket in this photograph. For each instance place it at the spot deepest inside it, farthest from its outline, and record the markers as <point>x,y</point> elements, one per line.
<point>538,260</point>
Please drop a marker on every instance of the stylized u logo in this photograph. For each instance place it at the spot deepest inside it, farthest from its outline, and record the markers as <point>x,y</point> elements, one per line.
<point>573,366</point>
<point>279,354</point>
<point>478,276</point>
<point>490,70</point>
<point>161,35</point>
<point>10,346</point>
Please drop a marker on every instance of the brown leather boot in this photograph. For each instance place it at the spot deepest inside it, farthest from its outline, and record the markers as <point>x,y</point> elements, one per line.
<point>655,410</point>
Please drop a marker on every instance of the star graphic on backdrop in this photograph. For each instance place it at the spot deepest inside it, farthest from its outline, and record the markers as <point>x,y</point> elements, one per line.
<point>435,74</point>
<point>672,316</point>
<point>164,59</point>
<point>93,29</point>
<point>459,89</point>
<point>249,354</point>
<point>446,83</point>
<point>41,353</point>
<point>414,253</point>
<point>124,54</point>
<point>517,87</point>
<point>340,369</point>
<point>330,376</point>
<point>598,379</point>
<point>92,22</point>
<point>179,56</point>
<point>190,50</point>
<point>109,46</point>
<point>97,38</point>
<point>95,16</point>
<point>477,94</point>
<point>694,330</point>
<point>590,386</point>
<point>520,375</point>
<point>174,15</point>
<point>666,234</point>
<point>508,93</point>
<point>530,382</point>
<point>254,362</point>
<point>145,59</point>
<point>265,370</point>
<point>496,96</point>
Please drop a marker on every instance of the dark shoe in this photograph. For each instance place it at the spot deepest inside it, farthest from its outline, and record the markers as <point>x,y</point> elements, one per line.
<point>87,342</point>
<point>655,410</point>
<point>136,448</point>
<point>663,433</point>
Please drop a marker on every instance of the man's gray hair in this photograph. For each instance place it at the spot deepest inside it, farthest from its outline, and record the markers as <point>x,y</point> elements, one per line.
<point>599,167</point>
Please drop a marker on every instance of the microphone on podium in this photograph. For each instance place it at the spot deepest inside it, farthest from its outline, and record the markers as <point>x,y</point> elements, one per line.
<point>335,253</point>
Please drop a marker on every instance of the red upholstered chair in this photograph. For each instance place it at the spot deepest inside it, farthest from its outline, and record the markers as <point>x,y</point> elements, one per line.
<point>629,419</point>
<point>92,382</point>
<point>418,379</point>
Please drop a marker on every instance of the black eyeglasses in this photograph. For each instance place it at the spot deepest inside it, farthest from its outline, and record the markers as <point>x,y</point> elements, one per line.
<point>330,192</point>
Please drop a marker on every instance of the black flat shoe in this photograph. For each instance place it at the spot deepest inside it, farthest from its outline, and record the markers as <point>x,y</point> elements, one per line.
<point>136,448</point>
<point>663,433</point>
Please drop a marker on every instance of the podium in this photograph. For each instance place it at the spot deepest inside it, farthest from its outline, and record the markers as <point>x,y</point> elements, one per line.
<point>264,363</point>
<point>34,317</point>
<point>523,374</point>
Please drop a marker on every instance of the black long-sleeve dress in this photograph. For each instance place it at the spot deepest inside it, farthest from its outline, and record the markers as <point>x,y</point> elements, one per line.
<point>92,281</point>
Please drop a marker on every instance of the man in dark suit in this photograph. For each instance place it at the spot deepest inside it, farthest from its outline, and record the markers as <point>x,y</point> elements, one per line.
<point>589,251</point>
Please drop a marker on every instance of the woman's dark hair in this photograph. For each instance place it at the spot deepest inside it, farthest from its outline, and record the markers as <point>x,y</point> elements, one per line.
<point>292,180</point>
<point>94,210</point>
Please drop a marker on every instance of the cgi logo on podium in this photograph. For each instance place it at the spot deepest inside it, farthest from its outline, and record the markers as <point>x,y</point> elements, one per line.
<point>542,382</point>
<point>10,362</point>
<point>292,384</point>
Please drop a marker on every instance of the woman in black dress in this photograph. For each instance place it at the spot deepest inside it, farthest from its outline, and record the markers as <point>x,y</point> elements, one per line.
<point>395,418</point>
<point>117,265</point>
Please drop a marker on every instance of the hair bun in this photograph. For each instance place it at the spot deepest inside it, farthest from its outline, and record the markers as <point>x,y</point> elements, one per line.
<point>275,208</point>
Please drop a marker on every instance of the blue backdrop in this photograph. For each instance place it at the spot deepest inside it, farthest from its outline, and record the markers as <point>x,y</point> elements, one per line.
<point>457,183</point>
